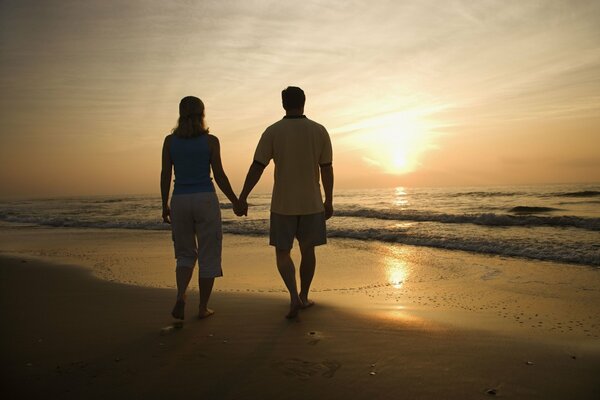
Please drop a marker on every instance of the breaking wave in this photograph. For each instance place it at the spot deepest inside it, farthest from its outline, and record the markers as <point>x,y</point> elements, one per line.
<point>487,219</point>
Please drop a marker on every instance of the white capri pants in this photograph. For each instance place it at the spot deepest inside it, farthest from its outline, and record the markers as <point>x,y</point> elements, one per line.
<point>197,233</point>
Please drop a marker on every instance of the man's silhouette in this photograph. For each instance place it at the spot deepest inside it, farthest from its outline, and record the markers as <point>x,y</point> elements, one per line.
<point>301,151</point>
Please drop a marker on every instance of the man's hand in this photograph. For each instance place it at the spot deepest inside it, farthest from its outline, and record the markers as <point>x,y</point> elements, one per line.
<point>328,209</point>
<point>166,214</point>
<point>240,208</point>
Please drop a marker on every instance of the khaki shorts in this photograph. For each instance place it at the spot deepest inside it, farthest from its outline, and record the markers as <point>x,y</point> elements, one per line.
<point>197,234</point>
<point>310,230</point>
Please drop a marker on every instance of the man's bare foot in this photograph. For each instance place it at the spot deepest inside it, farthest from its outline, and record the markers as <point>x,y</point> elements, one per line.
<point>205,313</point>
<point>294,309</point>
<point>307,303</point>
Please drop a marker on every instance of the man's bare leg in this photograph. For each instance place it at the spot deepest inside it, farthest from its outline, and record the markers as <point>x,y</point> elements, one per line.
<point>286,268</point>
<point>205,285</point>
<point>307,272</point>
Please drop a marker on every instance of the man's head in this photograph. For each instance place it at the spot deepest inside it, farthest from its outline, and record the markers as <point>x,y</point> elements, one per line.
<point>293,98</point>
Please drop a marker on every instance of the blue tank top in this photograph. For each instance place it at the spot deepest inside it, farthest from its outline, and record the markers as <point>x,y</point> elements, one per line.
<point>191,161</point>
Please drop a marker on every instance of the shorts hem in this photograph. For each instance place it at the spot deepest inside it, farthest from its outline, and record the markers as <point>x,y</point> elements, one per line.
<point>209,275</point>
<point>292,246</point>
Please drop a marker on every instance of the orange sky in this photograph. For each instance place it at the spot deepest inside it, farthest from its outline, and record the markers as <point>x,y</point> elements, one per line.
<point>420,93</point>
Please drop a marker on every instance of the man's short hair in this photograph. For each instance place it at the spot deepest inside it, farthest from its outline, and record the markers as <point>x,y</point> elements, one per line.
<point>292,98</point>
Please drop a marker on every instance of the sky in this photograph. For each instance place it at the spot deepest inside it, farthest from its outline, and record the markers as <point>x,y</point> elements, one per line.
<point>413,93</point>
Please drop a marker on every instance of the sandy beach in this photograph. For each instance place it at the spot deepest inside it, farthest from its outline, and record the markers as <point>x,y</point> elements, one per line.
<point>70,333</point>
<point>452,148</point>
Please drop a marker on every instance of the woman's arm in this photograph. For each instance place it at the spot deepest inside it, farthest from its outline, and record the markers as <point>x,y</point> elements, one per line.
<point>165,179</point>
<point>217,169</point>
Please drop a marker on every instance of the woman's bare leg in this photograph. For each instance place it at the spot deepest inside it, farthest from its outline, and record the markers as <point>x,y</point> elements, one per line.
<point>206,285</point>
<point>183,275</point>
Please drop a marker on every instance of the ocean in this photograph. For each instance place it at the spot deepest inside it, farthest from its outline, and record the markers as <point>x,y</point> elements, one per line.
<point>559,223</point>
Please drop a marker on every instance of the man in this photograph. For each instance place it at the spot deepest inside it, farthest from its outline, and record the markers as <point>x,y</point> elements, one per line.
<point>301,150</point>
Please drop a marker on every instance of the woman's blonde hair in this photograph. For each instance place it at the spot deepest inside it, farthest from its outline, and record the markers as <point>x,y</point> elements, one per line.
<point>191,118</point>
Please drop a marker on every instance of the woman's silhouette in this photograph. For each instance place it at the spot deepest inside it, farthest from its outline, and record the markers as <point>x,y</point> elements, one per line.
<point>194,215</point>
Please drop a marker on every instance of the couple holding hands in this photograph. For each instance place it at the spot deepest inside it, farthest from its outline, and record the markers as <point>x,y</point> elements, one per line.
<point>302,153</point>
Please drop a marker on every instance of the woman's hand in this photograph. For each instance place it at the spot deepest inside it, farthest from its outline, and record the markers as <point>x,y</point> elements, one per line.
<point>166,214</point>
<point>240,208</point>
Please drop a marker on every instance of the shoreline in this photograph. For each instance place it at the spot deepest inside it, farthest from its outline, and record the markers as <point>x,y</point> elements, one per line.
<point>75,335</point>
<point>549,301</point>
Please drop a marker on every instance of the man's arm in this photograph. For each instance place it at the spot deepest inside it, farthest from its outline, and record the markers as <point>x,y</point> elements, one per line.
<point>327,179</point>
<point>262,156</point>
<point>165,180</point>
<point>254,174</point>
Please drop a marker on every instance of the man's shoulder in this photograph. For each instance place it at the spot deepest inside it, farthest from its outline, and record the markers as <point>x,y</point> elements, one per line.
<point>275,125</point>
<point>276,128</point>
<point>284,123</point>
<point>316,124</point>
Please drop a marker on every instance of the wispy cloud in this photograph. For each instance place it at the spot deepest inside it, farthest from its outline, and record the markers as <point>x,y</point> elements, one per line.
<point>119,68</point>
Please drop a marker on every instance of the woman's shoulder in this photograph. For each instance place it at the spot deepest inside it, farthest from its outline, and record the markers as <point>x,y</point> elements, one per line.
<point>212,139</point>
<point>167,141</point>
<point>213,144</point>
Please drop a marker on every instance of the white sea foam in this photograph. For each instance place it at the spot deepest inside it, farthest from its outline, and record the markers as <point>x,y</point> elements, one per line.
<point>489,219</point>
<point>545,223</point>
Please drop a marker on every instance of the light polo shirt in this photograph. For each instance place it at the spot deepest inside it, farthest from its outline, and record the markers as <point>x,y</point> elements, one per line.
<point>298,146</point>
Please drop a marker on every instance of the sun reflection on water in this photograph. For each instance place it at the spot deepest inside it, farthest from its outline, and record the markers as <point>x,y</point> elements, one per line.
<point>400,198</point>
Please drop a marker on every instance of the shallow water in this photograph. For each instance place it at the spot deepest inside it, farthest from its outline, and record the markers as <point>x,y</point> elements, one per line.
<point>555,223</point>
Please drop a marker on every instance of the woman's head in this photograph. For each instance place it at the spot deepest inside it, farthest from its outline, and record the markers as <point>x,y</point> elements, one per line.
<point>191,118</point>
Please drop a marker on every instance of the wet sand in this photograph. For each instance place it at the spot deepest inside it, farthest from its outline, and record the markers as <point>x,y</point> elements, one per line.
<point>68,334</point>
<point>516,297</point>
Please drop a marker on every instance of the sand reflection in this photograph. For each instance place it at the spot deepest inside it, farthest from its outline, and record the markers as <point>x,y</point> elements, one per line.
<point>396,267</point>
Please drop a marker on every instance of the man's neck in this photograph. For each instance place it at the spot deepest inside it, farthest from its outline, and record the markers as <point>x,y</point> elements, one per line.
<point>297,112</point>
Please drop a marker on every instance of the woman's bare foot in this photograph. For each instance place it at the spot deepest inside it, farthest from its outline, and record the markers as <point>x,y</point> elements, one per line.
<point>205,313</point>
<point>178,309</point>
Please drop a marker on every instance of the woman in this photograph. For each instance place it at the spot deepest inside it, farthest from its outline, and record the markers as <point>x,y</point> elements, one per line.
<point>195,216</point>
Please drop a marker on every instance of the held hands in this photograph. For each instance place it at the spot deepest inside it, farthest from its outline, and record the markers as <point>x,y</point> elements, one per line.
<point>240,208</point>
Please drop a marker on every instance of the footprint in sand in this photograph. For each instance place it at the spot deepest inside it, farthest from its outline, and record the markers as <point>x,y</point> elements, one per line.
<point>297,368</point>
<point>167,330</point>
<point>314,337</point>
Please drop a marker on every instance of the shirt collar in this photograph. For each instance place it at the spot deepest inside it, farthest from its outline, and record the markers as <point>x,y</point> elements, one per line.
<point>294,116</point>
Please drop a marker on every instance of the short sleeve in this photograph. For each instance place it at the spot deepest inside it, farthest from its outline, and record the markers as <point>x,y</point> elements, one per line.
<point>264,149</point>
<point>326,157</point>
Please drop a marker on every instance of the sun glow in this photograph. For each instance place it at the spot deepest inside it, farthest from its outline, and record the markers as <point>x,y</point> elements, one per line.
<point>400,140</point>
<point>393,142</point>
<point>400,161</point>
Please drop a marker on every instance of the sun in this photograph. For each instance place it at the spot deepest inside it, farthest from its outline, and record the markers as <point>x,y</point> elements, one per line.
<point>398,141</point>
<point>393,142</point>
<point>400,162</point>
